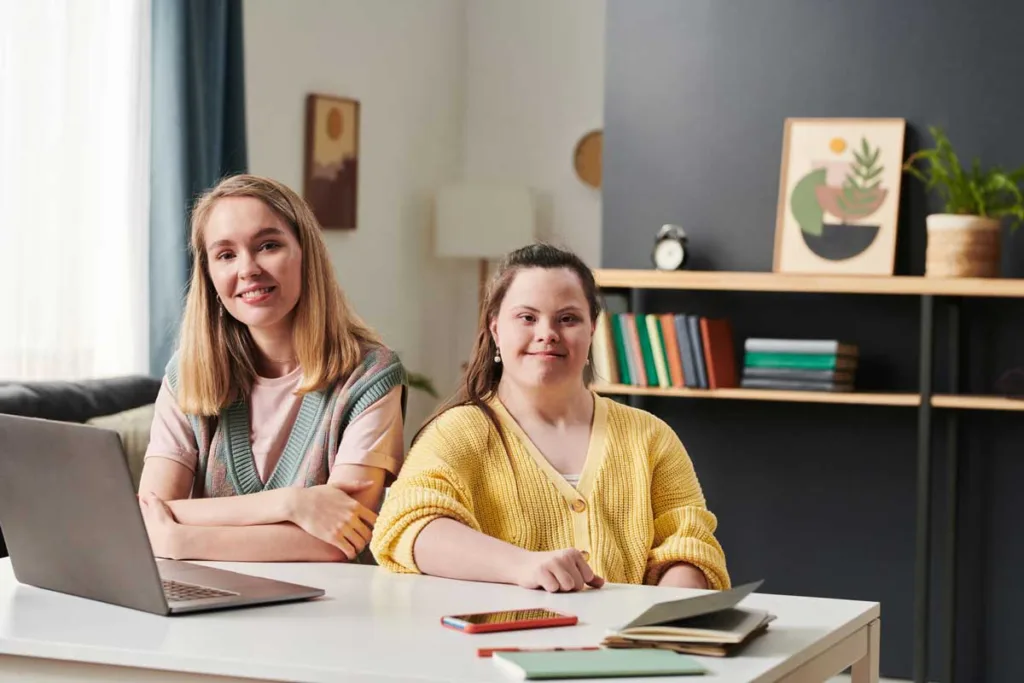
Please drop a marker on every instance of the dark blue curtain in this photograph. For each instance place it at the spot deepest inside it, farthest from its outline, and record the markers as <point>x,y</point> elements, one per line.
<point>198,136</point>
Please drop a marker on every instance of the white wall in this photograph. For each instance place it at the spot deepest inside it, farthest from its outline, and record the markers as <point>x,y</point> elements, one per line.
<point>405,61</point>
<point>535,85</point>
<point>449,89</point>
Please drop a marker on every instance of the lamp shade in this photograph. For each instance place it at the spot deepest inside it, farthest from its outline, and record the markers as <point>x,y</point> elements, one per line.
<point>482,221</point>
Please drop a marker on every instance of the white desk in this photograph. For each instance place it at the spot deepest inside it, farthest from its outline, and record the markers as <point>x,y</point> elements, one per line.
<point>373,626</point>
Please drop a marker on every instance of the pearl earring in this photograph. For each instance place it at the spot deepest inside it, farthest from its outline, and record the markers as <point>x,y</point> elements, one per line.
<point>497,355</point>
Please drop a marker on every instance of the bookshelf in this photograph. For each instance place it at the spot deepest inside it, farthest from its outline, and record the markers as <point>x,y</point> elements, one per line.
<point>963,402</point>
<point>947,292</point>
<point>726,281</point>
<point>849,397</point>
<point>960,402</point>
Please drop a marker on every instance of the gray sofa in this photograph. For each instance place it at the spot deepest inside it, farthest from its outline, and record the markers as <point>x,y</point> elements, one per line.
<point>118,403</point>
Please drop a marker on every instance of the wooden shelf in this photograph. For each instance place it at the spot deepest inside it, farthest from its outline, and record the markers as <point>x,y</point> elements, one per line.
<point>851,397</point>
<point>824,284</point>
<point>977,402</point>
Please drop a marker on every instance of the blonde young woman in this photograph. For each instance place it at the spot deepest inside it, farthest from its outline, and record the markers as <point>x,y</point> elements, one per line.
<point>527,477</point>
<point>280,417</point>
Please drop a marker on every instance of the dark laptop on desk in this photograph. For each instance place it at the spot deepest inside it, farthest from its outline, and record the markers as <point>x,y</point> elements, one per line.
<point>73,525</point>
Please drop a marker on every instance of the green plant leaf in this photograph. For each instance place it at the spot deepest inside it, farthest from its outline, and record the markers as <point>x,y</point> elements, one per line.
<point>422,382</point>
<point>976,191</point>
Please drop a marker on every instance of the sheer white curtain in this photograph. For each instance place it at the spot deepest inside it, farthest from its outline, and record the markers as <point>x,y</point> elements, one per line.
<point>74,187</point>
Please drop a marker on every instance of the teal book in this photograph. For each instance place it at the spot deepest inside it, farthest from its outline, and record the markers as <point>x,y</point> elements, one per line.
<point>605,663</point>
<point>806,361</point>
<point>620,349</point>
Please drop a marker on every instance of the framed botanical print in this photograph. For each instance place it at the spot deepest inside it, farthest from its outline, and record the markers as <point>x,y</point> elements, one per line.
<point>839,191</point>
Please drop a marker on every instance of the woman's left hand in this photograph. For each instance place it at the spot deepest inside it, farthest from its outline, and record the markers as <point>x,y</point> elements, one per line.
<point>160,525</point>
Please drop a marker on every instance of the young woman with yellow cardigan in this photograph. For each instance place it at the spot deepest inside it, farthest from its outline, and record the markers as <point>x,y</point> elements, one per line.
<point>527,477</point>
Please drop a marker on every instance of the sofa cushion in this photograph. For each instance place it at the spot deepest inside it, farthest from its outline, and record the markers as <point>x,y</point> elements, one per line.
<point>133,428</point>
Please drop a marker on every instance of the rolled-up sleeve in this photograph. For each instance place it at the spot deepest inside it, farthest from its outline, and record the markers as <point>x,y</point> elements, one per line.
<point>427,489</point>
<point>375,437</point>
<point>171,435</point>
<point>684,528</point>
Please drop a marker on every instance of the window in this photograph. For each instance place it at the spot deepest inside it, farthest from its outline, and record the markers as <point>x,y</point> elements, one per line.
<point>74,188</point>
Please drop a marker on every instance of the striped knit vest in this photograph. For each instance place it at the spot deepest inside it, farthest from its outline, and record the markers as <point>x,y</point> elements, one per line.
<point>226,466</point>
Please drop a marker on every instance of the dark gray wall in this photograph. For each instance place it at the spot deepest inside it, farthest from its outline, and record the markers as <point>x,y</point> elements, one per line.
<point>819,500</point>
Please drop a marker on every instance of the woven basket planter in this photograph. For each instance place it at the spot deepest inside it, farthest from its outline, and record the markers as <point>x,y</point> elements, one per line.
<point>962,246</point>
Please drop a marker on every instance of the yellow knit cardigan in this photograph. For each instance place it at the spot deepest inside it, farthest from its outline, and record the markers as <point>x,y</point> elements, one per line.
<point>637,509</point>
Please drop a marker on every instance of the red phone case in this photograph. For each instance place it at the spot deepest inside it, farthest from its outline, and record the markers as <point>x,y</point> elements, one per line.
<point>544,622</point>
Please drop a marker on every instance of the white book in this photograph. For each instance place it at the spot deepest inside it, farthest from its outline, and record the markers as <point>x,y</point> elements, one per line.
<point>818,346</point>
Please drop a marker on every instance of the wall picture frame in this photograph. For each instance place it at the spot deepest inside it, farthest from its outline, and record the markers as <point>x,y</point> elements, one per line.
<point>839,190</point>
<point>331,166</point>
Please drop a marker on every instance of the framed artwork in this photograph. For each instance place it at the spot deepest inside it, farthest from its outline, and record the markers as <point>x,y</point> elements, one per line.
<point>331,175</point>
<point>839,191</point>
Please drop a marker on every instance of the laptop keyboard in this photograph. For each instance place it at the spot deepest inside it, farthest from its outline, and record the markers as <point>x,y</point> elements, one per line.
<point>176,591</point>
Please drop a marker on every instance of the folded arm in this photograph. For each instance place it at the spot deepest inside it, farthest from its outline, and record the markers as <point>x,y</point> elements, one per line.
<point>171,481</point>
<point>323,523</point>
<point>265,543</point>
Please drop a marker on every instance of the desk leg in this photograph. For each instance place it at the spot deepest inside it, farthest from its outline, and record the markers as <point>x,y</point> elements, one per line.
<point>865,670</point>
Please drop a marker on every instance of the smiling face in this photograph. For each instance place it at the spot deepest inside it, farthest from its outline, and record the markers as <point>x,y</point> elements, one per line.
<point>543,328</point>
<point>254,261</point>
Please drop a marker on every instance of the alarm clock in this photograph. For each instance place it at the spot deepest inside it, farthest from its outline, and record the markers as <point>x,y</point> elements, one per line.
<point>670,252</point>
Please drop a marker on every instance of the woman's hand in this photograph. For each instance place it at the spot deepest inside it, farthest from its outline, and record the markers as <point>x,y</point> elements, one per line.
<point>161,526</point>
<point>557,571</point>
<point>330,513</point>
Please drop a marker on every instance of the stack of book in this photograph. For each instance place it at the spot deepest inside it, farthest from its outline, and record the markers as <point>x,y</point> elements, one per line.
<point>799,364</point>
<point>664,350</point>
<point>711,624</point>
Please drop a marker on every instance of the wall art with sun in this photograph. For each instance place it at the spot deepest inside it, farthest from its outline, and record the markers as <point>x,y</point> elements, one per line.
<point>839,196</point>
<point>331,174</point>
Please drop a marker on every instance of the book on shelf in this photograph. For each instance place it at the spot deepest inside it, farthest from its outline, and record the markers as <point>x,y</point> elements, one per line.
<point>806,361</point>
<point>672,350</point>
<point>793,385</point>
<point>603,351</point>
<point>664,350</point>
<point>837,376</point>
<point>799,364</point>
<point>832,347</point>
<point>719,352</point>
<point>686,350</point>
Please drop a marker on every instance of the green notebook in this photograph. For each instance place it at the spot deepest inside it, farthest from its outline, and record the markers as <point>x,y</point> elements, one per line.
<point>596,664</point>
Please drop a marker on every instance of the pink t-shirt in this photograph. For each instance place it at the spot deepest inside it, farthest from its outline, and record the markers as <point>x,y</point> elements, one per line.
<point>374,438</point>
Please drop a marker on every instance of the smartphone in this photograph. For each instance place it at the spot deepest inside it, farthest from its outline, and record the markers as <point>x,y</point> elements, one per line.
<point>508,620</point>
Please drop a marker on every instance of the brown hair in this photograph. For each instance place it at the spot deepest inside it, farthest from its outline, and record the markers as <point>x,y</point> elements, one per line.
<point>216,353</point>
<point>480,381</point>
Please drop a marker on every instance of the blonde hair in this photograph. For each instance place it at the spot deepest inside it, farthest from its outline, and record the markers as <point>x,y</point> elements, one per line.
<point>216,353</point>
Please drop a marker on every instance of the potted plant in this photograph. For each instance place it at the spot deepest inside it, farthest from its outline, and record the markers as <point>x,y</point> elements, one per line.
<point>963,241</point>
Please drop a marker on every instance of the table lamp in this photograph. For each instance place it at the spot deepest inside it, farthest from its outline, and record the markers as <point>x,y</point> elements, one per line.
<point>482,221</point>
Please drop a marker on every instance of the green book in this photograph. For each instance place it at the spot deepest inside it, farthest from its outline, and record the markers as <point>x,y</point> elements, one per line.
<point>645,351</point>
<point>604,663</point>
<point>808,361</point>
<point>620,349</point>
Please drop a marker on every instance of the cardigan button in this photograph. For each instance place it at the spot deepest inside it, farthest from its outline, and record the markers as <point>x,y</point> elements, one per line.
<point>579,505</point>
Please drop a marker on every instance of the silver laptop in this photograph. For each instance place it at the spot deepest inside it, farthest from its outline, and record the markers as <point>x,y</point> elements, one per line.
<point>72,524</point>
